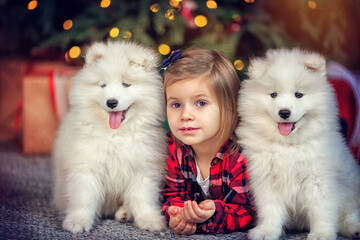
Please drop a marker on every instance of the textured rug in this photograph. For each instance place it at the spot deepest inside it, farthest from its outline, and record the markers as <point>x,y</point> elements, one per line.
<point>26,212</point>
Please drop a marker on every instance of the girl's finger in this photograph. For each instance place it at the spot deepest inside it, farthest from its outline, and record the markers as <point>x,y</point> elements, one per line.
<point>198,211</point>
<point>189,212</point>
<point>180,227</point>
<point>188,229</point>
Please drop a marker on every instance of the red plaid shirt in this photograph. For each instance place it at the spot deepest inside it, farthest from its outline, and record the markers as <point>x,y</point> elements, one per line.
<point>228,187</point>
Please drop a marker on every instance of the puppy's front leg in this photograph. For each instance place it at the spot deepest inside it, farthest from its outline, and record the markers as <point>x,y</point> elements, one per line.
<point>83,193</point>
<point>143,201</point>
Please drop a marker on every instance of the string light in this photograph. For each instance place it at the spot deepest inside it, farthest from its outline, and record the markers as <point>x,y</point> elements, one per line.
<point>74,52</point>
<point>67,57</point>
<point>238,64</point>
<point>32,5</point>
<point>164,49</point>
<point>127,35</point>
<point>155,7</point>
<point>68,24</point>
<point>211,4</point>
<point>170,14</point>
<point>114,32</point>
<point>200,21</point>
<point>312,4</point>
<point>105,3</point>
<point>249,1</point>
<point>174,3</point>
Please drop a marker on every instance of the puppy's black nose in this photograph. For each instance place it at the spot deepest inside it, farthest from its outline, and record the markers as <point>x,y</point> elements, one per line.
<point>112,103</point>
<point>284,113</point>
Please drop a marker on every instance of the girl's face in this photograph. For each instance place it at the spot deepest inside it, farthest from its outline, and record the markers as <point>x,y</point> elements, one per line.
<point>193,113</point>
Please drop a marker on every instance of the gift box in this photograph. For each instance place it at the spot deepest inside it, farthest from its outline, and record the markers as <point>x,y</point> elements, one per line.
<point>45,102</point>
<point>11,73</point>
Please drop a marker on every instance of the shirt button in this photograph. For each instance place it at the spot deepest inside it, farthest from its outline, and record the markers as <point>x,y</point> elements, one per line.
<point>215,161</point>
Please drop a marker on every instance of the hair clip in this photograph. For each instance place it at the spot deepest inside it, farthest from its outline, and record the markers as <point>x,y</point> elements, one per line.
<point>174,56</point>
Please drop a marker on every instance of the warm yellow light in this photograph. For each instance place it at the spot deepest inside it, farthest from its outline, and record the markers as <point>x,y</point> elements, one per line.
<point>114,32</point>
<point>164,49</point>
<point>68,24</point>
<point>200,21</point>
<point>32,5</point>
<point>67,57</point>
<point>170,14</point>
<point>127,34</point>
<point>238,64</point>
<point>74,52</point>
<point>155,7</point>
<point>174,3</point>
<point>105,3</point>
<point>211,4</point>
<point>249,1</point>
<point>312,4</point>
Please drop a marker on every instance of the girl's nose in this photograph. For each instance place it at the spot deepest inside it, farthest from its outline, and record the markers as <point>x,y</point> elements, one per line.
<point>186,114</point>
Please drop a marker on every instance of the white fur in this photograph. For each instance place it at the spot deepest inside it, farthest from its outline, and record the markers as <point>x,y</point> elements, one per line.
<point>307,180</point>
<point>99,171</point>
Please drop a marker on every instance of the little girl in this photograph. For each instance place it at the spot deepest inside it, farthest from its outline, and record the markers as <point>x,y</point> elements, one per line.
<point>207,180</point>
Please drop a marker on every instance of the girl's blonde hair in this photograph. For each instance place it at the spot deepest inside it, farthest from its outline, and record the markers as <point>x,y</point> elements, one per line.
<point>217,71</point>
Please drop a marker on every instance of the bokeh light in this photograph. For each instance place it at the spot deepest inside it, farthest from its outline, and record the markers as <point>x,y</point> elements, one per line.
<point>155,7</point>
<point>105,3</point>
<point>170,14</point>
<point>238,64</point>
<point>249,1</point>
<point>312,4</point>
<point>74,52</point>
<point>68,24</point>
<point>200,21</point>
<point>174,3</point>
<point>164,49</point>
<point>127,35</point>
<point>32,5</point>
<point>114,32</point>
<point>211,4</point>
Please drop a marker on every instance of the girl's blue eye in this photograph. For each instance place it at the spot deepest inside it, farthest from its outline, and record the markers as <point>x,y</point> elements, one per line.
<point>299,95</point>
<point>175,105</point>
<point>201,104</point>
<point>273,95</point>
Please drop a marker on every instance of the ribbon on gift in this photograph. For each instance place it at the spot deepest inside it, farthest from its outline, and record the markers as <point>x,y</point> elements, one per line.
<point>51,73</point>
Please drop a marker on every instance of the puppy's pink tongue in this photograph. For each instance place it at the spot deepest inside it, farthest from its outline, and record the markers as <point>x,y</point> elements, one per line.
<point>115,119</point>
<point>285,128</point>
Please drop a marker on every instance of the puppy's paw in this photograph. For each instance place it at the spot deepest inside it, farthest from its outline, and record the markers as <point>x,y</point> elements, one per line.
<point>326,235</point>
<point>77,223</point>
<point>263,233</point>
<point>151,222</point>
<point>123,215</point>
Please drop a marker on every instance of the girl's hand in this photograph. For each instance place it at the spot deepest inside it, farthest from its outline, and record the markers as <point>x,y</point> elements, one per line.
<point>198,213</point>
<point>177,222</point>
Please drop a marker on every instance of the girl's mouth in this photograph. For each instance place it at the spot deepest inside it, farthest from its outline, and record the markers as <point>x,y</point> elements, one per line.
<point>188,130</point>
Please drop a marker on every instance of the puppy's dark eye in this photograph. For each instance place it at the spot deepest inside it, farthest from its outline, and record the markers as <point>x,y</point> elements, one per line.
<point>103,85</point>
<point>299,95</point>
<point>126,85</point>
<point>273,95</point>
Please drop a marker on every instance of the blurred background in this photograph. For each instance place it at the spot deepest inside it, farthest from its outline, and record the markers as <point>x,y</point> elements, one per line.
<point>42,44</point>
<point>59,29</point>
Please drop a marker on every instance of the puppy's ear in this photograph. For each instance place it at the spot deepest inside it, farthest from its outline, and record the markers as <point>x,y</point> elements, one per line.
<point>257,67</point>
<point>146,60</point>
<point>315,62</point>
<point>95,52</point>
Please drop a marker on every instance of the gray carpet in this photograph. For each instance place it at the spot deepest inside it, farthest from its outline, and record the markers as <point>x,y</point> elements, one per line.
<point>26,213</point>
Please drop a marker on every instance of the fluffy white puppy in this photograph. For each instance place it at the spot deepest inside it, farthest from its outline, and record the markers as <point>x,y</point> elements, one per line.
<point>302,174</point>
<point>110,153</point>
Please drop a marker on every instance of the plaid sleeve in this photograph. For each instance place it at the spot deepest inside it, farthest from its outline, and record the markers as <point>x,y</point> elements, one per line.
<point>235,212</point>
<point>175,192</point>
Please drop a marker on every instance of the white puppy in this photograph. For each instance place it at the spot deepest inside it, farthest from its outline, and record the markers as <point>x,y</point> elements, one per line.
<point>302,174</point>
<point>110,153</point>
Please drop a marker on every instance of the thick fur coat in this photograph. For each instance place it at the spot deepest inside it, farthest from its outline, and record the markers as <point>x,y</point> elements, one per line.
<point>110,154</point>
<point>302,175</point>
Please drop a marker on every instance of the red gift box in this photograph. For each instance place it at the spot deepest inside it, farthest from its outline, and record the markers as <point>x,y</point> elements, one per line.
<point>45,101</point>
